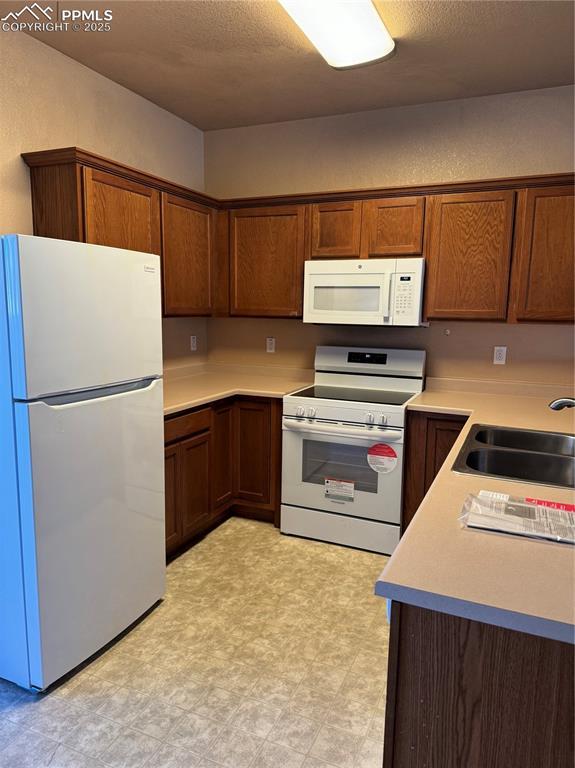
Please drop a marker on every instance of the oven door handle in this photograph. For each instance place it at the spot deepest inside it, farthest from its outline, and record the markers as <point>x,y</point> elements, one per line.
<point>338,431</point>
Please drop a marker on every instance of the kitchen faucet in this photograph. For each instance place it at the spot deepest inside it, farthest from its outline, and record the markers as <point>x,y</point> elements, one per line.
<point>562,402</point>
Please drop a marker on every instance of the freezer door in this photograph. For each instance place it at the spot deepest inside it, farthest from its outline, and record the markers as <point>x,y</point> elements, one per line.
<point>92,519</point>
<point>80,316</point>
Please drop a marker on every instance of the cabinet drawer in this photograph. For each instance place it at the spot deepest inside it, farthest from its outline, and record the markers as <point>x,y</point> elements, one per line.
<point>190,424</point>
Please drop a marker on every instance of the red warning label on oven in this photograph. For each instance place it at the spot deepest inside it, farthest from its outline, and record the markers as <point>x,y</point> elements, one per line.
<point>382,458</point>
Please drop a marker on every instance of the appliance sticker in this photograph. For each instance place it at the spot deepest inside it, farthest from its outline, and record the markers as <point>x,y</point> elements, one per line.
<point>339,490</point>
<point>382,458</point>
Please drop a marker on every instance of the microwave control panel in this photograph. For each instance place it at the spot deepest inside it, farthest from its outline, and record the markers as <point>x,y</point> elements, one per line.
<point>407,289</point>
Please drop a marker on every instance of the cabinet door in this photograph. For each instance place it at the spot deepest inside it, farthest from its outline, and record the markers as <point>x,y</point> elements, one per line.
<point>252,468</point>
<point>442,433</point>
<point>429,438</point>
<point>121,213</point>
<point>469,253</point>
<point>172,480</point>
<point>392,227</point>
<point>187,244</point>
<point>267,255</point>
<point>335,230</point>
<point>221,266</point>
<point>544,260</point>
<point>222,456</point>
<point>196,491</point>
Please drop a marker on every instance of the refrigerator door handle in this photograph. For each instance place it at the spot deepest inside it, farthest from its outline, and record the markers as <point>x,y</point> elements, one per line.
<point>100,393</point>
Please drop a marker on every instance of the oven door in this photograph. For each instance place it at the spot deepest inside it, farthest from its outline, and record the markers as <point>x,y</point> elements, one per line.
<point>349,469</point>
<point>362,299</point>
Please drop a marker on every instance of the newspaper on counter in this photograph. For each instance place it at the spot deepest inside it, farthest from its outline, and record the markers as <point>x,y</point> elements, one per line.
<point>536,518</point>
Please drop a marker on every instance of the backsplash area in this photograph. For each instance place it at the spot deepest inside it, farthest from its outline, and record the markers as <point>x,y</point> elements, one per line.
<point>536,353</point>
<point>176,334</point>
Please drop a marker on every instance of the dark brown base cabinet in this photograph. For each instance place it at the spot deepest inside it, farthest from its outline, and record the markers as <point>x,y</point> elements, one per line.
<point>462,694</point>
<point>221,460</point>
<point>429,438</point>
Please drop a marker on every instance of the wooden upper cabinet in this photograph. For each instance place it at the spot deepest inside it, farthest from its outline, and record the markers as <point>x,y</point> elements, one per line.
<point>469,255</point>
<point>392,227</point>
<point>187,245</point>
<point>267,254</point>
<point>542,285</point>
<point>335,230</point>
<point>121,213</point>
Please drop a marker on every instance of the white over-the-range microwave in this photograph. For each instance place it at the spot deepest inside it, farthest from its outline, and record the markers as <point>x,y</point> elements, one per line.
<point>364,292</point>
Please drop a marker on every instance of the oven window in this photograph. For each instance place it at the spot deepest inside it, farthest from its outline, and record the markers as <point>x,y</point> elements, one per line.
<point>346,298</point>
<point>344,462</point>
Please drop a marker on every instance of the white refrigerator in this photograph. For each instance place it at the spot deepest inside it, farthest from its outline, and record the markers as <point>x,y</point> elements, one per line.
<point>82,551</point>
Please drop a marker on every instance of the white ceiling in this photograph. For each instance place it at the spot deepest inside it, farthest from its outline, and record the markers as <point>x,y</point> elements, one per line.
<point>227,63</point>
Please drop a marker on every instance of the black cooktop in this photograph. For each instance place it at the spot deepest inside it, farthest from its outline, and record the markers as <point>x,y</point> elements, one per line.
<point>383,397</point>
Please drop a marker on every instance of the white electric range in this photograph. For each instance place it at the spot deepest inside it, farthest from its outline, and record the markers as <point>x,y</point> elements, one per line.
<point>342,463</point>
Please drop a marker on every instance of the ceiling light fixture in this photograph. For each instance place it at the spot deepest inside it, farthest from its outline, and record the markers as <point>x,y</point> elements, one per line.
<point>347,33</point>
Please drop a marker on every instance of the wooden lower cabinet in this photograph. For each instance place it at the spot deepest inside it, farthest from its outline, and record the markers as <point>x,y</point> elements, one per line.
<point>187,471</point>
<point>253,448</point>
<point>222,454</point>
<point>172,479</point>
<point>257,459</point>
<point>463,694</point>
<point>429,438</point>
<point>221,460</point>
<point>196,492</point>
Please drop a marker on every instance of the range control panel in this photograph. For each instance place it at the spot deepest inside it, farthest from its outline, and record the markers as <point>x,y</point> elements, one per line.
<point>361,413</point>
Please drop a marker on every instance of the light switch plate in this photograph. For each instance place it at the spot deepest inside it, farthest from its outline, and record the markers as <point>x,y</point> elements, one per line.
<point>270,343</point>
<point>193,343</point>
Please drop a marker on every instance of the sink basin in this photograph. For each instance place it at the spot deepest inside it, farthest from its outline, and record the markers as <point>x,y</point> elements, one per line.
<point>545,469</point>
<point>525,440</point>
<point>545,458</point>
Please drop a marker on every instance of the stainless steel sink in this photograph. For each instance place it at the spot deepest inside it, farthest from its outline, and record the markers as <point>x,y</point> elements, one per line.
<point>524,440</point>
<point>546,458</point>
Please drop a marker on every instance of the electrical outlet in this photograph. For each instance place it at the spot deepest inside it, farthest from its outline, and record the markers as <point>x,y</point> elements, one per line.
<point>499,355</point>
<point>194,343</point>
<point>270,343</point>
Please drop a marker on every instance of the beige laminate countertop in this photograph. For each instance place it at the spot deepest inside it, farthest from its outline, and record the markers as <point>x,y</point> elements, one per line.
<point>498,579</point>
<point>206,386</point>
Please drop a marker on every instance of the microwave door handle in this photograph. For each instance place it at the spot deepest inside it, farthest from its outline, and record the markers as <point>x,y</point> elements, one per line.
<point>386,295</point>
<point>338,431</point>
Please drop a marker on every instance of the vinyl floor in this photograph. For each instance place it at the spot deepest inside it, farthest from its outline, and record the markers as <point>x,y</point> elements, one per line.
<point>267,652</point>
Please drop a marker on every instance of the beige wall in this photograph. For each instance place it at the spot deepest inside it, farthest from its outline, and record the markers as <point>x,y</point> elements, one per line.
<point>47,100</point>
<point>536,353</point>
<point>511,134</point>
